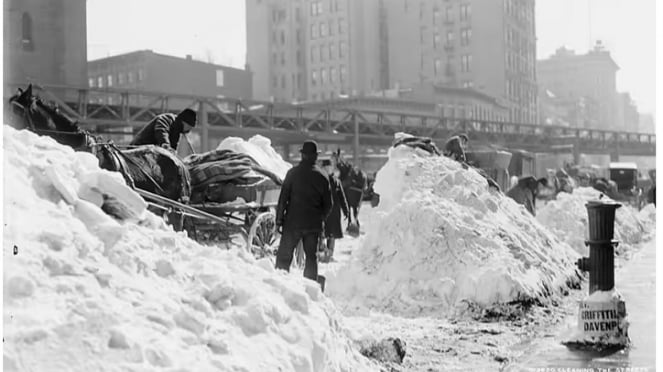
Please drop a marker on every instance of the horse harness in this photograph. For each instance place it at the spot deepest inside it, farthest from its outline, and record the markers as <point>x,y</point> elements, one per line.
<point>121,160</point>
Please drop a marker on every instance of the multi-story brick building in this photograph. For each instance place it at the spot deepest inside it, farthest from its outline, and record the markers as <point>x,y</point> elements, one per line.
<point>570,76</point>
<point>627,113</point>
<point>44,42</point>
<point>148,71</point>
<point>312,50</point>
<point>486,45</point>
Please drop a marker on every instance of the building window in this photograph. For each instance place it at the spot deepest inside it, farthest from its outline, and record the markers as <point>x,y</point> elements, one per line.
<point>466,63</point>
<point>100,82</point>
<point>299,35</point>
<point>282,58</point>
<point>332,51</point>
<point>299,57</point>
<point>322,53</point>
<point>449,14</point>
<point>436,40</point>
<point>141,74</point>
<point>282,37</point>
<point>323,29</point>
<point>468,84</point>
<point>341,26</point>
<point>342,49</point>
<point>298,14</point>
<point>437,66</point>
<point>110,80</point>
<point>131,77</point>
<point>465,36</point>
<point>331,28</point>
<point>332,75</point>
<point>450,37</point>
<point>275,58</point>
<point>26,37</point>
<point>323,75</point>
<point>314,31</point>
<point>465,12</point>
<point>91,82</point>
<point>283,81</point>
<point>314,51</point>
<point>314,77</point>
<point>344,74</point>
<point>219,78</point>
<point>275,82</point>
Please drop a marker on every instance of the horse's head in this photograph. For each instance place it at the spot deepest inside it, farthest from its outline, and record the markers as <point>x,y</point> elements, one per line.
<point>19,106</point>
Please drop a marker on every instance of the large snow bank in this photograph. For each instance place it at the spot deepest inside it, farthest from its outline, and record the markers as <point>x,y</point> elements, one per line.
<point>260,148</point>
<point>441,237</point>
<point>567,218</point>
<point>85,292</point>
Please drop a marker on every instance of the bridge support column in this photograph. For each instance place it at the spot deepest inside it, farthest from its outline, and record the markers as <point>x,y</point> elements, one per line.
<point>576,153</point>
<point>286,152</point>
<point>614,156</point>
<point>355,147</point>
<point>204,128</point>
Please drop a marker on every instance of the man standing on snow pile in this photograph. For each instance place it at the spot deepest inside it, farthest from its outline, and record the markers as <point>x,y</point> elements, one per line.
<point>525,192</point>
<point>304,204</point>
<point>333,229</point>
<point>455,147</point>
<point>165,130</point>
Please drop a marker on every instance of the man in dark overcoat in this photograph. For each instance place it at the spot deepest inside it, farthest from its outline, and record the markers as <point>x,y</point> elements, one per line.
<point>455,147</point>
<point>333,229</point>
<point>165,130</point>
<point>526,191</point>
<point>304,204</point>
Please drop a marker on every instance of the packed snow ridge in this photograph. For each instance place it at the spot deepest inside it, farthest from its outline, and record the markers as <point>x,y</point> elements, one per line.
<point>85,292</point>
<point>441,238</point>
<point>567,218</point>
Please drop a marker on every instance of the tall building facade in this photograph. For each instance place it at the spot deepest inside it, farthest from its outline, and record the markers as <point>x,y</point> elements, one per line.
<point>486,45</point>
<point>627,116</point>
<point>44,42</point>
<point>309,50</point>
<point>592,75</point>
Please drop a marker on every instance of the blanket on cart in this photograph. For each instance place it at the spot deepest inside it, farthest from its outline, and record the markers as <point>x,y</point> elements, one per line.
<point>219,166</point>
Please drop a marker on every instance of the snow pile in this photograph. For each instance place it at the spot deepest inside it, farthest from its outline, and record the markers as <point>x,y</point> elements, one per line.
<point>260,149</point>
<point>567,218</point>
<point>85,292</point>
<point>441,238</point>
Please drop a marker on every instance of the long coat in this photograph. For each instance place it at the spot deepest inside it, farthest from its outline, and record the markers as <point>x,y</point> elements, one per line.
<point>454,149</point>
<point>333,228</point>
<point>162,129</point>
<point>305,200</point>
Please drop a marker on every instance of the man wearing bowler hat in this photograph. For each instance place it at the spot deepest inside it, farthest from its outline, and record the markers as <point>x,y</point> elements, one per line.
<point>304,204</point>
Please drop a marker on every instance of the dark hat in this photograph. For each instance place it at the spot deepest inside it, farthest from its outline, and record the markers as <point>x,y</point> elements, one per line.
<point>188,116</point>
<point>326,162</point>
<point>464,136</point>
<point>309,147</point>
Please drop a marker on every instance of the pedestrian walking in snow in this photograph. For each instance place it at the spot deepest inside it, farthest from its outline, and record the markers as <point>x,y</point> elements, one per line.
<point>455,147</point>
<point>525,192</point>
<point>333,227</point>
<point>165,129</point>
<point>304,204</point>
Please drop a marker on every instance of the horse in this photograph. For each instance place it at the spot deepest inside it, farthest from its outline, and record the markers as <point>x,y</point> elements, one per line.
<point>148,168</point>
<point>46,119</point>
<point>354,182</point>
<point>152,169</point>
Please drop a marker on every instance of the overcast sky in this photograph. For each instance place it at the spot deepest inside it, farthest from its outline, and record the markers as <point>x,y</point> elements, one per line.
<point>214,31</point>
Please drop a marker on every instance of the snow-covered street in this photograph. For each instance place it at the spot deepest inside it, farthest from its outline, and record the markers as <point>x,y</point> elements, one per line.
<point>467,278</point>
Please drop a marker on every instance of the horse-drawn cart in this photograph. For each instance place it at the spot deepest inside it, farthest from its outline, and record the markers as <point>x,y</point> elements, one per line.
<point>247,210</point>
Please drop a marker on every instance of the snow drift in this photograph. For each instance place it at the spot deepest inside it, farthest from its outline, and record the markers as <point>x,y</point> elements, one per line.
<point>261,150</point>
<point>567,218</point>
<point>85,292</point>
<point>442,238</point>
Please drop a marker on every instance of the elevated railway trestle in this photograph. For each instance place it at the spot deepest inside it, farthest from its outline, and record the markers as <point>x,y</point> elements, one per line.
<point>106,110</point>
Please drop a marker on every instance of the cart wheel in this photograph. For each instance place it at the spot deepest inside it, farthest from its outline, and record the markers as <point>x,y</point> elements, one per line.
<point>263,239</point>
